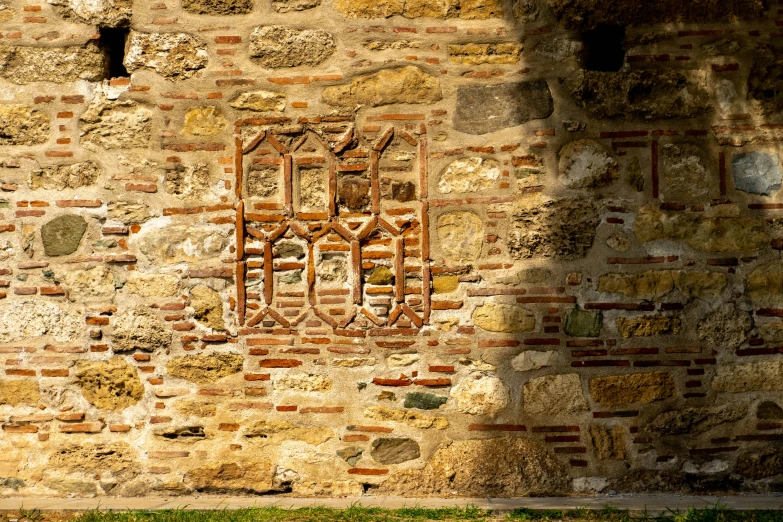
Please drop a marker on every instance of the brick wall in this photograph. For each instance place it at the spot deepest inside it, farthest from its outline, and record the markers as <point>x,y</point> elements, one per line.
<point>421,248</point>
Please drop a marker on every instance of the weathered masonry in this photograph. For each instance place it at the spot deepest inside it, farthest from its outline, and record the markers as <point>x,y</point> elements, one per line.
<point>386,247</point>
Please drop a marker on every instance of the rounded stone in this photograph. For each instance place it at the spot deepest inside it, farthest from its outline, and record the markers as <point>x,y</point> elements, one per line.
<point>481,394</point>
<point>62,235</point>
<point>586,164</point>
<point>472,174</point>
<point>461,236</point>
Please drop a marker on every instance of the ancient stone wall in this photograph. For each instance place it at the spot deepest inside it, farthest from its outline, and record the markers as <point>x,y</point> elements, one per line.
<point>365,247</point>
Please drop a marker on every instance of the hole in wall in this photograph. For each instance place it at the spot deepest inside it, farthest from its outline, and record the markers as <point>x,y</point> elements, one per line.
<point>113,39</point>
<point>604,48</point>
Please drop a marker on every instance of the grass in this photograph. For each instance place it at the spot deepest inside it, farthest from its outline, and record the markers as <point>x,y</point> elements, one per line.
<point>359,513</point>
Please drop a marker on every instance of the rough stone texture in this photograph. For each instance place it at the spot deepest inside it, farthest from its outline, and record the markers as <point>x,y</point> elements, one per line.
<point>758,376</point>
<point>261,101</point>
<point>23,65</point>
<point>303,383</point>
<point>586,164</point>
<point>110,385</point>
<point>388,86</point>
<point>533,360</point>
<point>481,394</point>
<point>655,284</point>
<point>644,95</point>
<point>725,329</point>
<point>176,56</point>
<point>203,121</point>
<point>61,177</point>
<point>608,442</point>
<point>477,54</point>
<point>503,318</point>
<point>232,477</point>
<point>394,451</point>
<point>553,229</point>
<point>506,467</point>
<point>757,173</point>
<point>461,236</point>
<point>415,419</point>
<point>115,125</point>
<point>443,190</point>
<point>554,395</point>
<point>203,369</point>
<point>139,329</point>
<point>694,421</point>
<point>104,13</point>
<point>584,14</point>
<point>465,9</point>
<point>182,243</point>
<point>21,125</point>
<point>27,319</point>
<point>275,46</point>
<point>482,109</point>
<point>89,284</point>
<point>648,325</point>
<point>218,7</point>
<point>684,174</point>
<point>207,307</point>
<point>471,174</point>
<point>157,285</point>
<point>619,390</point>
<point>62,235</point>
<point>14,393</point>
<point>760,464</point>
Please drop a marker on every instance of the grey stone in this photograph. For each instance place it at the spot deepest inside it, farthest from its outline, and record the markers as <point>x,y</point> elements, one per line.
<point>725,329</point>
<point>62,235</point>
<point>288,249</point>
<point>586,164</point>
<point>482,109</point>
<point>395,451</point>
<point>424,401</point>
<point>351,454</point>
<point>757,173</point>
<point>582,323</point>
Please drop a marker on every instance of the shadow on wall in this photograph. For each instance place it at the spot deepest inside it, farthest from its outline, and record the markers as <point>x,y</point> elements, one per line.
<point>627,324</point>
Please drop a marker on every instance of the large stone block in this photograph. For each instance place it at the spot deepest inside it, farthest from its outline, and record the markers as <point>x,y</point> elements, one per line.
<point>503,467</point>
<point>482,109</point>
<point>275,46</point>
<point>110,385</point>
<point>554,395</point>
<point>22,64</point>
<point>388,86</point>
<point>758,376</point>
<point>621,390</point>
<point>203,369</point>
<point>176,56</point>
<point>21,125</point>
<point>545,228</point>
<point>645,95</point>
<point>466,9</point>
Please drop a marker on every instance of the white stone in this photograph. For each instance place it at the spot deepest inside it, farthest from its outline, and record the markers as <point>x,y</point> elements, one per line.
<point>397,360</point>
<point>533,360</point>
<point>24,320</point>
<point>480,393</point>
<point>472,174</point>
